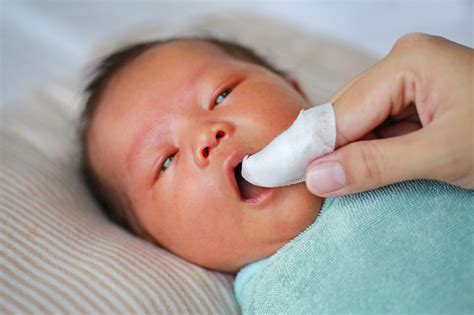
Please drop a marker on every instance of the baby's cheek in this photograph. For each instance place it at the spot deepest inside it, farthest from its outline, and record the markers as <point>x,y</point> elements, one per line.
<point>304,207</point>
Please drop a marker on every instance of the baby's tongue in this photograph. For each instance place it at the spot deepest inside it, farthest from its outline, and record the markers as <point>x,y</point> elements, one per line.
<point>247,190</point>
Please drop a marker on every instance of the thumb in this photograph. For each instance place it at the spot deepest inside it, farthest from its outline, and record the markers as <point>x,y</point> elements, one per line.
<point>365,165</point>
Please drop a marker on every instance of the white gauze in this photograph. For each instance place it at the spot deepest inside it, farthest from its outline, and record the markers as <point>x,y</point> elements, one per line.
<point>284,160</point>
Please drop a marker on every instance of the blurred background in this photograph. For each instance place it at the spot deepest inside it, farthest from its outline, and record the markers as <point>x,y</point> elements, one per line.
<point>46,41</point>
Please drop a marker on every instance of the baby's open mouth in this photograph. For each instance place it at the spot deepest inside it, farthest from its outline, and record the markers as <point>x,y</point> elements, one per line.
<point>248,191</point>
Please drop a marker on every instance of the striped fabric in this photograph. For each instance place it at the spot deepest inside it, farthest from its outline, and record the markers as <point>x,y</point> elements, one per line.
<point>59,253</point>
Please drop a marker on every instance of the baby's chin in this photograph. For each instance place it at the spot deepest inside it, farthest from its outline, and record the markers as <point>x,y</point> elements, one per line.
<point>299,204</point>
<point>289,213</point>
<point>298,194</point>
<point>294,209</point>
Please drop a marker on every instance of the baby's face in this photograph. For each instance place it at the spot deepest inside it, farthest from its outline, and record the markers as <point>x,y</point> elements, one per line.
<point>159,137</point>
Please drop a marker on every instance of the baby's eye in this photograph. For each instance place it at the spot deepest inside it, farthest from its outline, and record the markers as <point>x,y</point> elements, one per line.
<point>167,162</point>
<point>220,98</point>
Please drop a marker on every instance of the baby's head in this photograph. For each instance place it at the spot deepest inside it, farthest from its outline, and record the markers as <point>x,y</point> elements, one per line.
<point>165,126</point>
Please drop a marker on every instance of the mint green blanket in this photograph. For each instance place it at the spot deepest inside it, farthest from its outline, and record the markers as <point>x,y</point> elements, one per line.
<point>404,248</point>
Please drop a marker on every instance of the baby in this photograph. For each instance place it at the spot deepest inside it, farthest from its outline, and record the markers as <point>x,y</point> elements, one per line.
<point>166,126</point>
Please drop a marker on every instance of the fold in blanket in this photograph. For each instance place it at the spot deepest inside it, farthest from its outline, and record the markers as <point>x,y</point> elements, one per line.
<point>404,248</point>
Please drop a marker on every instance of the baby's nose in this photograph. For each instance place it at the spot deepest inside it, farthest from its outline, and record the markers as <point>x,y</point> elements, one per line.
<point>208,140</point>
<point>217,137</point>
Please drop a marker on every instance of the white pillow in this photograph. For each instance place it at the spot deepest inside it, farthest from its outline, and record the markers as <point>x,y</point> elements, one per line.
<point>60,254</point>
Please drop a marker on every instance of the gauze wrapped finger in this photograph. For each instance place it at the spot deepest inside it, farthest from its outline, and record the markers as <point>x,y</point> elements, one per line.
<point>285,159</point>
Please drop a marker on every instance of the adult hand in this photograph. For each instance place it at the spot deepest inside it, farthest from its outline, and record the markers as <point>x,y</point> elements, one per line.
<point>409,116</point>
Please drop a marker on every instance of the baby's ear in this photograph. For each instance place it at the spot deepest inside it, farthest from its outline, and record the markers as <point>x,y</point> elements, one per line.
<point>296,85</point>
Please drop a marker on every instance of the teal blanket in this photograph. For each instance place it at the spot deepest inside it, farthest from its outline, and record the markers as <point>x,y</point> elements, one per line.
<point>404,248</point>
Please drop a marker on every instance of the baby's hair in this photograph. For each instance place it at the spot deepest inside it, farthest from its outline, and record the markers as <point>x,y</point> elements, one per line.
<point>116,205</point>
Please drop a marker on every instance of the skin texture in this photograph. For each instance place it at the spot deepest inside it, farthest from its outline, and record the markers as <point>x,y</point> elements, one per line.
<point>163,103</point>
<point>425,85</point>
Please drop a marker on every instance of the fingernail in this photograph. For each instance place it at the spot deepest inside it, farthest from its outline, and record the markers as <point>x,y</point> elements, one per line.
<point>325,178</point>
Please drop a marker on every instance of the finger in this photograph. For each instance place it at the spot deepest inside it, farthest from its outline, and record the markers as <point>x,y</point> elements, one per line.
<point>366,165</point>
<point>384,90</point>
<point>346,87</point>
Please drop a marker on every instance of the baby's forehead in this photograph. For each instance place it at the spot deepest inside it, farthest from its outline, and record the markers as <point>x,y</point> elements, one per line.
<point>169,60</point>
<point>168,67</point>
<point>180,50</point>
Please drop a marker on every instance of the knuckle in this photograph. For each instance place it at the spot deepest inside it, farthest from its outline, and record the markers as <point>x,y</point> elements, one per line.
<point>414,51</point>
<point>411,40</point>
<point>413,43</point>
